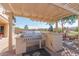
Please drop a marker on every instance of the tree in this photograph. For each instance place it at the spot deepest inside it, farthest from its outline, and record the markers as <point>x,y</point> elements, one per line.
<point>51,24</point>
<point>70,20</point>
<point>14,20</point>
<point>51,27</point>
<point>26,27</point>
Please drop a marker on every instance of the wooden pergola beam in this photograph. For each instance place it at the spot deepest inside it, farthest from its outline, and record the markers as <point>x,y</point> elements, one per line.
<point>12,9</point>
<point>70,10</point>
<point>67,8</point>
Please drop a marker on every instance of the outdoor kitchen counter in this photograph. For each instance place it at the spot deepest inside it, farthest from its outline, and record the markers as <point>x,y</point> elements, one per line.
<point>53,42</point>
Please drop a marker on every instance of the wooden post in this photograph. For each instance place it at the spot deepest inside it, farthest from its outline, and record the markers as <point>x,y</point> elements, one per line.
<point>56,26</point>
<point>40,44</point>
<point>62,27</point>
<point>78,27</point>
<point>10,33</point>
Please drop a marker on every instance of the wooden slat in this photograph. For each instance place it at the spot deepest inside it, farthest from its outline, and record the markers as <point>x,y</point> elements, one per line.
<point>36,10</point>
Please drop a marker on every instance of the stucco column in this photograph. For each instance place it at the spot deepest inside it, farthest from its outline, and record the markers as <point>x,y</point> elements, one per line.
<point>6,30</point>
<point>10,32</point>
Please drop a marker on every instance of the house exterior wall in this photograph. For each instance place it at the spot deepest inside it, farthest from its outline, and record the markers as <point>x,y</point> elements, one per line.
<point>6,27</point>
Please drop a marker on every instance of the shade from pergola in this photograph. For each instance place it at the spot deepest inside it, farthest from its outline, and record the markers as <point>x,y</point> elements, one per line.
<point>39,12</point>
<point>42,11</point>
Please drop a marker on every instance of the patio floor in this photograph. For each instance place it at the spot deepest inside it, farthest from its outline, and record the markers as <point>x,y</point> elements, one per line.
<point>4,47</point>
<point>7,53</point>
<point>3,44</point>
<point>68,50</point>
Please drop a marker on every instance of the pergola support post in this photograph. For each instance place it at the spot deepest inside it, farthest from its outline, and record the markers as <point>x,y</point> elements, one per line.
<point>10,32</point>
<point>56,26</point>
<point>40,44</point>
<point>62,27</point>
<point>78,27</point>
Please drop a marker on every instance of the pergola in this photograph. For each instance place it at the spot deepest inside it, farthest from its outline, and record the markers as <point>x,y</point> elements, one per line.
<point>39,12</point>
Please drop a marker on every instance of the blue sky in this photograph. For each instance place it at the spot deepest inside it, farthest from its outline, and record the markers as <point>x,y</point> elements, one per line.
<point>21,22</point>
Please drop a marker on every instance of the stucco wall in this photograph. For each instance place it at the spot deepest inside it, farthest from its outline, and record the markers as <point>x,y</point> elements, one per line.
<point>4,22</point>
<point>20,46</point>
<point>6,29</point>
<point>54,42</point>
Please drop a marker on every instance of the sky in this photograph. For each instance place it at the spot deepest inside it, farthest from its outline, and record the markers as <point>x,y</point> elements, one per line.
<point>21,22</point>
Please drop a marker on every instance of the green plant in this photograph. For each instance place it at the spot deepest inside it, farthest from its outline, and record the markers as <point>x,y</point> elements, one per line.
<point>51,24</point>
<point>59,30</point>
<point>26,27</point>
<point>69,19</point>
<point>18,28</point>
<point>76,29</point>
<point>51,27</point>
